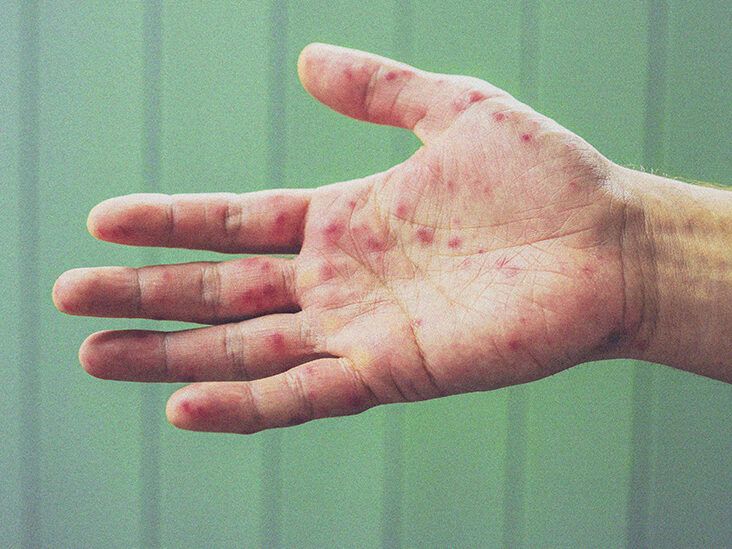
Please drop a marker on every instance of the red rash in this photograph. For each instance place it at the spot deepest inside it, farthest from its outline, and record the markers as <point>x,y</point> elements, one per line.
<point>280,220</point>
<point>401,210</point>
<point>327,272</point>
<point>277,341</point>
<point>391,75</point>
<point>333,232</point>
<point>514,344</point>
<point>455,242</point>
<point>526,137</point>
<point>116,233</point>
<point>475,96</point>
<point>348,73</point>
<point>425,235</point>
<point>374,244</point>
<point>499,116</point>
<point>192,410</point>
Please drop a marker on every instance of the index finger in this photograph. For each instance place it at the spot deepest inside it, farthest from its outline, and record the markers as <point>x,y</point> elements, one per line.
<point>269,221</point>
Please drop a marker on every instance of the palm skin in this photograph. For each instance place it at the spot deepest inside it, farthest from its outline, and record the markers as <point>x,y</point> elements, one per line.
<point>492,256</point>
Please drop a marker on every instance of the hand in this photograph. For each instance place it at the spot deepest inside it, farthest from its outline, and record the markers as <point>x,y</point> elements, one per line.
<point>493,256</point>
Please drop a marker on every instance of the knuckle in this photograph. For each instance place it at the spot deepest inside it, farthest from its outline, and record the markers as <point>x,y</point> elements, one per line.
<point>305,410</point>
<point>234,352</point>
<point>211,288</point>
<point>232,221</point>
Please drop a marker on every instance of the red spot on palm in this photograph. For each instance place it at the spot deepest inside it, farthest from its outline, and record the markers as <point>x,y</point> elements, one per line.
<point>402,210</point>
<point>333,231</point>
<point>327,272</point>
<point>455,242</point>
<point>374,244</point>
<point>499,116</point>
<point>425,235</point>
<point>526,137</point>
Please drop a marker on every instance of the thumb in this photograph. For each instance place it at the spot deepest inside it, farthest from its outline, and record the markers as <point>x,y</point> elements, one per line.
<point>379,90</point>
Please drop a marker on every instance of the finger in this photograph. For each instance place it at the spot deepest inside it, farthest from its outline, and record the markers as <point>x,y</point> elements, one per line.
<point>262,221</point>
<point>321,388</point>
<point>230,352</point>
<point>376,89</point>
<point>208,293</point>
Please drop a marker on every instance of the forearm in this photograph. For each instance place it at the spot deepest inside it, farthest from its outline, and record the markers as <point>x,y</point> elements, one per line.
<point>678,240</point>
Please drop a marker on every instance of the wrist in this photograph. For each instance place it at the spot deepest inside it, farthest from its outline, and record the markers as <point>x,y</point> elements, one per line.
<point>677,261</point>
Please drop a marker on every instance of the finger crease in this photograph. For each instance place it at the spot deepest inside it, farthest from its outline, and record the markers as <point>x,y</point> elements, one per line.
<point>234,354</point>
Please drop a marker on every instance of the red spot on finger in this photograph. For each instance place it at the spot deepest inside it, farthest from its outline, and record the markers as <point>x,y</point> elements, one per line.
<point>269,290</point>
<point>352,204</point>
<point>348,73</point>
<point>514,344</point>
<point>499,116</point>
<point>526,137</point>
<point>115,233</point>
<point>455,242</point>
<point>391,75</point>
<point>475,96</point>
<point>281,219</point>
<point>277,342</point>
<point>425,235</point>
<point>402,210</point>
<point>192,409</point>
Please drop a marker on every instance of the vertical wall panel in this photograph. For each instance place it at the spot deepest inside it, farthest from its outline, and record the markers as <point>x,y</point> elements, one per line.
<point>11,495</point>
<point>90,127</point>
<point>214,138</point>
<point>332,469</point>
<point>692,483</point>
<point>592,80</point>
<point>454,448</point>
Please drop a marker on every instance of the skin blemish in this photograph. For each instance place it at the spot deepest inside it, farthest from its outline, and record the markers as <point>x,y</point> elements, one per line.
<point>348,73</point>
<point>425,235</point>
<point>192,410</point>
<point>265,267</point>
<point>402,210</point>
<point>455,242</point>
<point>268,290</point>
<point>277,342</point>
<point>514,344</point>
<point>352,204</point>
<point>391,75</point>
<point>499,116</point>
<point>115,233</point>
<point>526,137</point>
<point>481,251</point>
<point>333,231</point>
<point>475,96</point>
<point>374,244</point>
<point>327,272</point>
<point>280,220</point>
<point>451,186</point>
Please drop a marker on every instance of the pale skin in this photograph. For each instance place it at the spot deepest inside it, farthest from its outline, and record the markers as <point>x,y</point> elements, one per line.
<point>506,249</point>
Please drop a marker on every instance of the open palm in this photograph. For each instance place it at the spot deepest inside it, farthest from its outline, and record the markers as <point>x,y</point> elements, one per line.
<point>492,256</point>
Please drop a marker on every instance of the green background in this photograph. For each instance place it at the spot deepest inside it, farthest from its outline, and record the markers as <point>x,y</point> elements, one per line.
<point>99,99</point>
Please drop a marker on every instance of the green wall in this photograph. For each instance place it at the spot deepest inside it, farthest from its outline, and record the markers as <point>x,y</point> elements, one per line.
<point>106,98</point>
